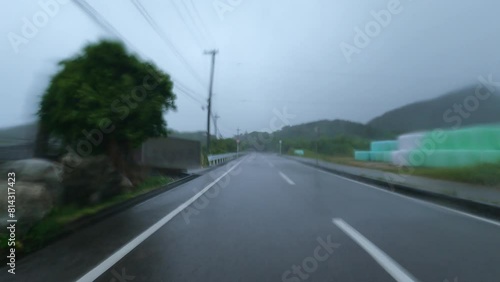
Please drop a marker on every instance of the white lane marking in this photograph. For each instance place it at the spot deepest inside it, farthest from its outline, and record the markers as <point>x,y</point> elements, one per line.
<point>270,163</point>
<point>286,178</point>
<point>123,251</point>
<point>429,204</point>
<point>390,265</point>
<point>422,202</point>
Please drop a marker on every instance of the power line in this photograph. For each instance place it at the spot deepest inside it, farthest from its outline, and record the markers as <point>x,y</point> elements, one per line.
<point>186,24</point>
<point>203,30</point>
<point>165,39</point>
<point>178,84</point>
<point>204,26</point>
<point>190,96</point>
<point>103,23</point>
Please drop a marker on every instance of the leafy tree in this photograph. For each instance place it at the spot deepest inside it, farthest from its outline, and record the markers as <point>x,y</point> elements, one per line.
<point>105,100</point>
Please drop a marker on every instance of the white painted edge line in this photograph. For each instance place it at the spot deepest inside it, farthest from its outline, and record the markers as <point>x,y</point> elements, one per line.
<point>496,223</point>
<point>286,178</point>
<point>123,251</point>
<point>391,266</point>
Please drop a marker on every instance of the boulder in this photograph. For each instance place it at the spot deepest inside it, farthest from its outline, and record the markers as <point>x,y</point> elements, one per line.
<point>91,180</point>
<point>33,202</point>
<point>37,171</point>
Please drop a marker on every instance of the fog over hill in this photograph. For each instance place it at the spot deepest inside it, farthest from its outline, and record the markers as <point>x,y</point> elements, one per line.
<point>463,107</point>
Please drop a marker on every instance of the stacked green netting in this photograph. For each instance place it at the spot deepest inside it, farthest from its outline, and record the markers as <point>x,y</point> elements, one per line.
<point>362,155</point>
<point>473,138</point>
<point>458,148</point>
<point>385,157</point>
<point>380,151</point>
<point>383,146</point>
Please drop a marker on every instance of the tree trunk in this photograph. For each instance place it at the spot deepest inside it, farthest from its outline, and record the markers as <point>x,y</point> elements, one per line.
<point>41,142</point>
<point>118,153</point>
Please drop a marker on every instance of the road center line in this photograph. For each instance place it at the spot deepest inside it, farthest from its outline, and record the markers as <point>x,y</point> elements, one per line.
<point>392,267</point>
<point>286,178</point>
<point>123,251</point>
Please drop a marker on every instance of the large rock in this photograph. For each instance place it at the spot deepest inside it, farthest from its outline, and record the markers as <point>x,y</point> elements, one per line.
<point>91,180</point>
<point>37,171</point>
<point>33,202</point>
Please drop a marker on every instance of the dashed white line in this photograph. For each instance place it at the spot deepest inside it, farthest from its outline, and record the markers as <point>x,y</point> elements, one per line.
<point>391,266</point>
<point>123,251</point>
<point>286,178</point>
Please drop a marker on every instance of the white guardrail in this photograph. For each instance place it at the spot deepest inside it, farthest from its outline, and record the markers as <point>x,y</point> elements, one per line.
<point>222,158</point>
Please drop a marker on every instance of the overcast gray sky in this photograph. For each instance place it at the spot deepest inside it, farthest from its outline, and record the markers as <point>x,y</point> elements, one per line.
<point>272,54</point>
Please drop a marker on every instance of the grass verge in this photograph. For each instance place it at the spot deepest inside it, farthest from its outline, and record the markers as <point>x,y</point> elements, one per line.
<point>483,174</point>
<point>53,224</point>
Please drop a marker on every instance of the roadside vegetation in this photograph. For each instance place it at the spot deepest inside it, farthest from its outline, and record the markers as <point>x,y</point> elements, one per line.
<point>56,222</point>
<point>99,107</point>
<point>483,174</point>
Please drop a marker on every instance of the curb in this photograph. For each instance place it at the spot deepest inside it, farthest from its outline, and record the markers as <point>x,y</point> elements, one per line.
<point>483,209</point>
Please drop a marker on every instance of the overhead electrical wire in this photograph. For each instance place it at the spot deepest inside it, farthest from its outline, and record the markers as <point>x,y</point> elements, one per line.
<point>165,39</point>
<point>186,24</point>
<point>103,23</point>
<point>203,31</point>
<point>204,26</point>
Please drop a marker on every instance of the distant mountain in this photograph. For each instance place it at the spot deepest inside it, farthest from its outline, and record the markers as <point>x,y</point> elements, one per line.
<point>321,129</point>
<point>329,129</point>
<point>440,113</point>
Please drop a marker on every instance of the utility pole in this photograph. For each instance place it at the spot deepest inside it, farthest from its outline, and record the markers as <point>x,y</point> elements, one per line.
<point>216,129</point>
<point>238,142</point>
<point>317,138</point>
<point>212,53</point>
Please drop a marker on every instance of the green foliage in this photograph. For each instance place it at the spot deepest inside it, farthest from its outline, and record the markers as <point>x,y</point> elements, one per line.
<point>482,174</point>
<point>330,129</point>
<point>222,146</point>
<point>105,91</point>
<point>338,146</point>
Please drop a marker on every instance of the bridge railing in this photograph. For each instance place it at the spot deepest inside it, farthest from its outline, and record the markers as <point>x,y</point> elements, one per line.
<point>222,158</point>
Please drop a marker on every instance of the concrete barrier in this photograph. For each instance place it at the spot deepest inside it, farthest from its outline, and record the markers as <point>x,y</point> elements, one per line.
<point>169,153</point>
<point>222,158</point>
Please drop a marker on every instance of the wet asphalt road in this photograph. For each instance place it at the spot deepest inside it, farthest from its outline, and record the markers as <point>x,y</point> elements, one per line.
<point>267,218</point>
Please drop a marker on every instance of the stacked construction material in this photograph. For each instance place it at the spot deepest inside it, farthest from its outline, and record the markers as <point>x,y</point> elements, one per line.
<point>380,151</point>
<point>450,148</point>
<point>438,148</point>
